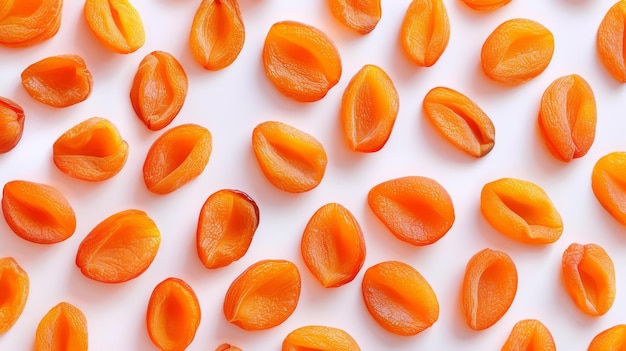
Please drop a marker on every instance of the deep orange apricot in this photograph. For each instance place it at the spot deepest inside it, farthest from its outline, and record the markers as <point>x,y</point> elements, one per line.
<point>608,181</point>
<point>159,90</point>
<point>37,212</point>
<point>301,61</point>
<point>58,81</point>
<point>529,335</point>
<point>63,328</point>
<point>116,24</point>
<point>26,23</point>
<point>14,290</point>
<point>610,41</point>
<point>92,150</point>
<point>11,124</point>
<point>612,339</point>
<point>321,338</point>
<point>362,16</point>
<point>217,34</point>
<point>227,347</point>
<point>425,31</point>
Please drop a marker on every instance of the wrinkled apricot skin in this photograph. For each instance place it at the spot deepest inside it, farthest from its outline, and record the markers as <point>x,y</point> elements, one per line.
<point>608,181</point>
<point>63,328</point>
<point>567,117</point>
<point>173,315</point>
<point>227,223</point>
<point>217,34</point>
<point>589,278</point>
<point>425,31</point>
<point>119,248</point>
<point>332,245</point>
<point>612,339</point>
<point>177,157</point>
<point>58,81</point>
<point>528,335</point>
<point>321,338</point>
<point>26,23</point>
<point>369,108</point>
<point>92,150</point>
<point>361,16</point>
<point>486,5</point>
<point>227,347</point>
<point>11,124</point>
<point>290,159</point>
<point>14,289</point>
<point>116,24</point>
<point>159,90</point>
<point>517,51</point>
<point>521,210</point>
<point>399,298</point>
<point>610,41</point>
<point>301,61</point>
<point>417,210</point>
<point>37,212</point>
<point>264,295</point>
<point>489,287</point>
<point>460,121</point>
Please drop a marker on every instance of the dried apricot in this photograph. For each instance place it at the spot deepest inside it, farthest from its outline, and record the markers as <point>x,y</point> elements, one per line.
<point>227,347</point>
<point>159,90</point>
<point>517,51</point>
<point>321,338</point>
<point>399,298</point>
<point>486,5</point>
<point>92,150</point>
<point>227,223</point>
<point>173,315</point>
<point>521,210</point>
<point>610,41</point>
<point>489,287</point>
<point>37,212</point>
<point>11,124</point>
<point>417,210</point>
<point>301,61</point>
<point>217,33</point>
<point>608,181</point>
<point>58,81</point>
<point>567,117</point>
<point>63,328</point>
<point>332,245</point>
<point>460,121</point>
<point>116,24</point>
<point>290,159</point>
<point>369,108</point>
<point>589,278</point>
<point>362,16</point>
<point>612,339</point>
<point>119,248</point>
<point>14,289</point>
<point>25,23</point>
<point>529,335</point>
<point>425,31</point>
<point>178,156</point>
<point>264,295</point>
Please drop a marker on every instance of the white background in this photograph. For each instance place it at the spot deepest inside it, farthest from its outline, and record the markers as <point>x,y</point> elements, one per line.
<point>232,101</point>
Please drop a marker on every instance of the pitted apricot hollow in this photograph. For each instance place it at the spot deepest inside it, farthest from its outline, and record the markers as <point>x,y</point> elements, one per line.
<point>417,210</point>
<point>460,121</point>
<point>361,16</point>
<point>264,295</point>
<point>529,335</point>
<point>116,24</point>
<point>227,223</point>
<point>301,61</point>
<point>58,81</point>
<point>567,117</point>
<point>63,328</point>
<point>26,22</point>
<point>425,31</point>
<point>608,181</point>
<point>399,298</point>
<point>14,285</point>
<point>610,41</point>
<point>321,338</point>
<point>369,109</point>
<point>332,245</point>
<point>521,210</point>
<point>159,90</point>
<point>37,212</point>
<point>92,150</point>
<point>589,278</point>
<point>489,287</point>
<point>613,339</point>
<point>517,51</point>
<point>217,34</point>
<point>11,124</point>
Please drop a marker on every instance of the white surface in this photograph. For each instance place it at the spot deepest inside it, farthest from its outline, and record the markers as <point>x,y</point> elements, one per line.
<point>232,101</point>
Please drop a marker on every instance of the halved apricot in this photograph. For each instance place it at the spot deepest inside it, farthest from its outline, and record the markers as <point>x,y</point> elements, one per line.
<point>116,24</point>
<point>27,22</point>
<point>529,335</point>
<point>63,328</point>
<point>608,181</point>
<point>610,41</point>
<point>317,337</point>
<point>362,16</point>
<point>425,31</point>
<point>14,290</point>
<point>612,339</point>
<point>11,124</point>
